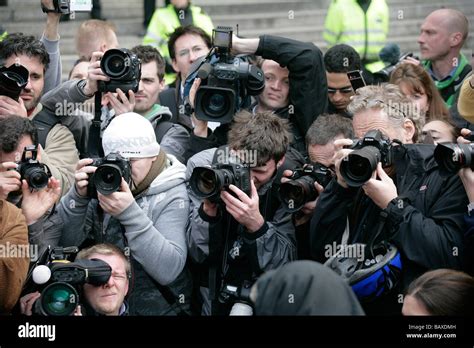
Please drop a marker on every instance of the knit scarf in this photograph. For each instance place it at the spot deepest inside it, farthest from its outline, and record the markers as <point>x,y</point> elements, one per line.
<point>156,168</point>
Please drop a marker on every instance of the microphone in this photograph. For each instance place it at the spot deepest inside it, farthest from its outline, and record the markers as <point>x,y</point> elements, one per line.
<point>204,71</point>
<point>390,54</point>
<point>41,274</point>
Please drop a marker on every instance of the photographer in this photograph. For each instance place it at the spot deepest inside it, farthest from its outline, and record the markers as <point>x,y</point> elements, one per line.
<point>44,225</point>
<point>338,61</point>
<point>295,88</point>
<point>107,299</point>
<point>320,139</point>
<point>60,153</point>
<point>13,270</point>
<point>173,138</point>
<point>147,217</point>
<point>245,234</point>
<point>416,208</point>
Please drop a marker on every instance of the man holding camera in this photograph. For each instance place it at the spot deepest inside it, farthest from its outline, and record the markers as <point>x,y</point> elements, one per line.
<point>407,203</point>
<point>60,153</point>
<point>135,198</point>
<point>106,299</point>
<point>35,193</point>
<point>243,230</point>
<point>295,88</point>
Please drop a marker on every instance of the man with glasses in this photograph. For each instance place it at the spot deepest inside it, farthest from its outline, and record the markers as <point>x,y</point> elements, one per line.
<point>407,203</point>
<point>339,60</point>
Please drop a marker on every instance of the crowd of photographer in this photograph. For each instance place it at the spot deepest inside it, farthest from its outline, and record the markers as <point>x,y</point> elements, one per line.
<point>199,199</point>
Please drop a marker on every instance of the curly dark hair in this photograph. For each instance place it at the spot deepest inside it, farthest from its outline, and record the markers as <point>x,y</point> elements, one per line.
<point>12,129</point>
<point>149,54</point>
<point>342,59</point>
<point>21,44</point>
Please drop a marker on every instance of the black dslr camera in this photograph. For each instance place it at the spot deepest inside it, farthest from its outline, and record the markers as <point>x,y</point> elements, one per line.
<point>61,279</point>
<point>108,175</point>
<point>300,189</point>
<point>452,157</point>
<point>358,166</point>
<point>35,173</point>
<point>13,80</point>
<point>209,182</point>
<point>227,81</point>
<point>124,69</point>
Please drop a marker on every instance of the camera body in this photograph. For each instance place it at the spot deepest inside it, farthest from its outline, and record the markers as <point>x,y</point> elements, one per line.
<point>109,173</point>
<point>123,68</point>
<point>13,80</point>
<point>452,157</point>
<point>69,6</point>
<point>227,81</point>
<point>208,182</point>
<point>294,194</point>
<point>35,173</point>
<point>358,166</point>
<point>240,296</point>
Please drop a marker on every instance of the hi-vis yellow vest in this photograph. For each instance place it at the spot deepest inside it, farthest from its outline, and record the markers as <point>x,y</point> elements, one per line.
<point>346,23</point>
<point>163,24</point>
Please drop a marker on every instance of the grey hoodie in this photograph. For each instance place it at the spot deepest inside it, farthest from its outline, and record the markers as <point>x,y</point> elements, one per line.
<point>153,228</point>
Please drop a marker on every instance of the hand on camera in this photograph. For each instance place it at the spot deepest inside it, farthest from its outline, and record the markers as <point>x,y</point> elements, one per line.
<point>83,171</point>
<point>9,106</point>
<point>27,302</point>
<point>94,74</point>
<point>340,153</point>
<point>36,203</point>
<point>115,203</point>
<point>120,103</point>
<point>382,190</point>
<point>9,179</point>
<point>200,127</point>
<point>244,209</point>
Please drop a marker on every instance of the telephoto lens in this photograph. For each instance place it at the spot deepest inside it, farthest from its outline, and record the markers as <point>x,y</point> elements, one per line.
<point>57,299</point>
<point>452,157</point>
<point>13,80</point>
<point>358,166</point>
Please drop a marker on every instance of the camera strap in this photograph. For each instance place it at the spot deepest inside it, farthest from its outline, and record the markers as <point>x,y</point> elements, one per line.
<point>94,146</point>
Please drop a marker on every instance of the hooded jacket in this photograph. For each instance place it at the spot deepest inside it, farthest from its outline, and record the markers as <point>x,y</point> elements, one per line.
<point>427,228</point>
<point>304,288</point>
<point>152,228</point>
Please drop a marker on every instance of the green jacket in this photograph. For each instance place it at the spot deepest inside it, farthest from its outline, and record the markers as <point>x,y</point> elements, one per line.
<point>346,23</point>
<point>163,24</point>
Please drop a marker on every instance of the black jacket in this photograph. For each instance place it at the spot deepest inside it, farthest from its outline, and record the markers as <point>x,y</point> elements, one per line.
<point>428,229</point>
<point>308,90</point>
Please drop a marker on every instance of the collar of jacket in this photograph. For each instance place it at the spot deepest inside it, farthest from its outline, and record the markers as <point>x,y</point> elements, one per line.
<point>419,157</point>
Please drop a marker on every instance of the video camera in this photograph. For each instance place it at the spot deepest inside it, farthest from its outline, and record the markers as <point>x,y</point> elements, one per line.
<point>392,56</point>
<point>209,182</point>
<point>35,173</point>
<point>62,278</point>
<point>69,6</point>
<point>124,69</point>
<point>358,166</point>
<point>109,173</point>
<point>227,81</point>
<point>452,157</point>
<point>300,189</point>
<point>13,80</point>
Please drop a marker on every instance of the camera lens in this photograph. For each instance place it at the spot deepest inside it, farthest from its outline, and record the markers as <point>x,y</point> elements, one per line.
<point>114,63</point>
<point>58,299</point>
<point>208,183</point>
<point>107,178</point>
<point>357,169</point>
<point>36,177</point>
<point>13,80</point>
<point>215,104</point>
<point>296,193</point>
<point>453,157</point>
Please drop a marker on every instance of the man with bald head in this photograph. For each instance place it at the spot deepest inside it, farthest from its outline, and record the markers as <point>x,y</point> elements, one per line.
<point>442,36</point>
